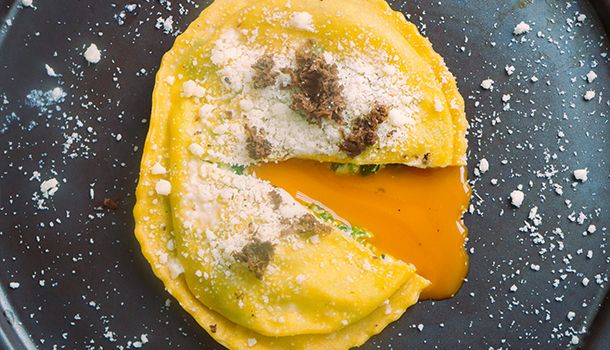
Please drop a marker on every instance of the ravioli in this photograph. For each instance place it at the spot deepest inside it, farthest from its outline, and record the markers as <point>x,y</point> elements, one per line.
<point>250,83</point>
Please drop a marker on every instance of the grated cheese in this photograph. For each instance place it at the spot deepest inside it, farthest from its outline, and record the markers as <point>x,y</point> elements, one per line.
<point>487,84</point>
<point>366,80</point>
<point>49,187</point>
<point>581,174</point>
<point>591,76</point>
<point>516,198</point>
<point>163,187</point>
<point>93,54</point>
<point>192,89</point>
<point>158,169</point>
<point>521,28</point>
<point>483,166</point>
<point>302,21</point>
<point>589,95</point>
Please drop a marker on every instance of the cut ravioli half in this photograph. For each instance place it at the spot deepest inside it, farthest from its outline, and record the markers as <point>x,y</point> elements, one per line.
<point>256,82</point>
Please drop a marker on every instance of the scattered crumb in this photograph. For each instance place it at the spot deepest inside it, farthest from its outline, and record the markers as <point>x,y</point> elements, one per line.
<point>50,71</point>
<point>302,21</point>
<point>93,54</point>
<point>195,149</point>
<point>158,169</point>
<point>49,187</point>
<point>516,198</point>
<point>487,84</point>
<point>589,95</point>
<point>591,76</point>
<point>581,174</point>
<point>521,28</point>
<point>483,166</point>
<point>163,187</point>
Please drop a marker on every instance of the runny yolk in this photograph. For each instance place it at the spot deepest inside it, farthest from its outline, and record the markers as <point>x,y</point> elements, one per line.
<point>414,215</point>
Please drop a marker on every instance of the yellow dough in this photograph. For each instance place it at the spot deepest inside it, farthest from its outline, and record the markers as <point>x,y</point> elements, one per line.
<point>250,263</point>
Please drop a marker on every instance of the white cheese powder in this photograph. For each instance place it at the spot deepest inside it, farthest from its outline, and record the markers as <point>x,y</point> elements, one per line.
<point>49,187</point>
<point>589,95</point>
<point>163,187</point>
<point>192,89</point>
<point>92,54</point>
<point>581,174</point>
<point>50,71</point>
<point>158,169</point>
<point>487,84</point>
<point>302,21</point>
<point>196,149</point>
<point>521,28</point>
<point>483,166</point>
<point>516,198</point>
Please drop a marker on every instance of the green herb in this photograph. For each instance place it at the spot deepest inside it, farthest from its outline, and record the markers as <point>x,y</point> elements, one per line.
<point>321,213</point>
<point>344,169</point>
<point>344,227</point>
<point>360,233</point>
<point>238,169</point>
<point>353,169</point>
<point>369,169</point>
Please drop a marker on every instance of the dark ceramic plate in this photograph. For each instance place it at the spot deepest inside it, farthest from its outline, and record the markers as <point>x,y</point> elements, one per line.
<point>72,276</point>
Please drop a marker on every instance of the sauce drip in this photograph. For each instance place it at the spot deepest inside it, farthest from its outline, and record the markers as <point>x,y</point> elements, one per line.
<point>413,214</point>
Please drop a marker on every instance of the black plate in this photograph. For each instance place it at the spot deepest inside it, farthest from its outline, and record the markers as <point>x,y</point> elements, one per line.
<point>83,283</point>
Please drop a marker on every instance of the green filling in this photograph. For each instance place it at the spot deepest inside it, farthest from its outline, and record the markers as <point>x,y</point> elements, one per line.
<point>354,169</point>
<point>238,169</point>
<point>358,233</point>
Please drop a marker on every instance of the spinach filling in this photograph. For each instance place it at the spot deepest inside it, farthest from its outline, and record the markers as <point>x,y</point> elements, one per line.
<point>354,169</point>
<point>358,233</point>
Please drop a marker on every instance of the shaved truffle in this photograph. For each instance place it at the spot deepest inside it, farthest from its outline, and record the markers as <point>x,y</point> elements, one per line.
<point>110,203</point>
<point>276,199</point>
<point>256,144</point>
<point>306,225</point>
<point>264,75</point>
<point>317,92</point>
<point>256,255</point>
<point>364,131</point>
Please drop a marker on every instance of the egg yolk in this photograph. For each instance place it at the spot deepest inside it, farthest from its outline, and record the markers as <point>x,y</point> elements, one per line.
<point>414,214</point>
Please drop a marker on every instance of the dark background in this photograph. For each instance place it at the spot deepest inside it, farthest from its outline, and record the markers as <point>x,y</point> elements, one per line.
<point>98,292</point>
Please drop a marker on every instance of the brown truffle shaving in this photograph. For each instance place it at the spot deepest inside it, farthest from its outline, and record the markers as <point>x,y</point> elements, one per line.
<point>256,255</point>
<point>317,92</point>
<point>276,199</point>
<point>110,203</point>
<point>263,74</point>
<point>257,145</point>
<point>426,158</point>
<point>306,225</point>
<point>364,131</point>
<point>213,328</point>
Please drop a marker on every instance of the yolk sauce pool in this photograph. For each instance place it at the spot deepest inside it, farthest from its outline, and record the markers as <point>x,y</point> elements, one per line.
<point>414,215</point>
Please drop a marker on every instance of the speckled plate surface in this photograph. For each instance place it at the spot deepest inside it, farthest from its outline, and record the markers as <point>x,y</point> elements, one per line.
<point>72,276</point>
